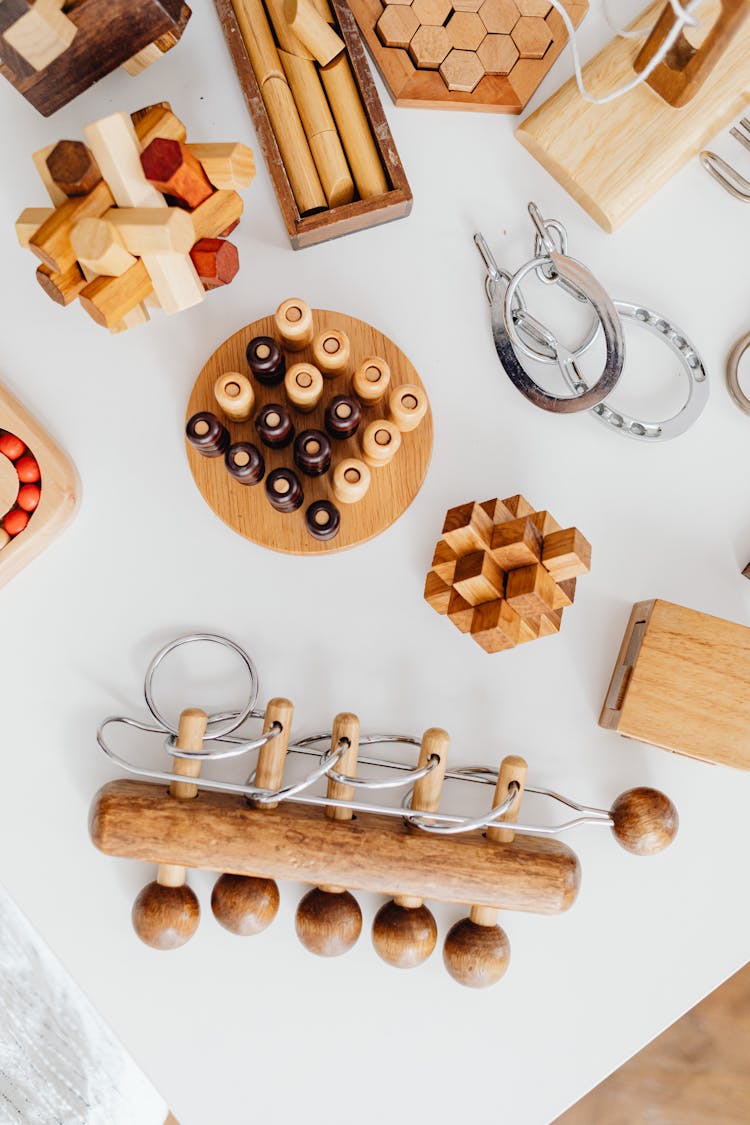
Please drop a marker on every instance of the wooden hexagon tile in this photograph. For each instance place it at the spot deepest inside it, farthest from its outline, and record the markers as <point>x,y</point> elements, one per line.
<point>464,54</point>
<point>503,572</point>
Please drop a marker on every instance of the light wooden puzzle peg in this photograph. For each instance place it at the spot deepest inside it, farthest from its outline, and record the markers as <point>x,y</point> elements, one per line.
<point>503,572</point>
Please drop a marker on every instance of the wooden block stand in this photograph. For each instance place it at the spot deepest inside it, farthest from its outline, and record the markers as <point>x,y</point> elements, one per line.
<point>496,71</point>
<point>59,484</point>
<point>245,508</point>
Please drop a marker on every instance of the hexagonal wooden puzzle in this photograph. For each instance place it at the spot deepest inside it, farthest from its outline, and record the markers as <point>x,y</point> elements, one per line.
<point>464,54</point>
<point>503,572</point>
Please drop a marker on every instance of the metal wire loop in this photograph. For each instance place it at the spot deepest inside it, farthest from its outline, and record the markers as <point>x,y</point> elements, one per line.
<point>216,755</point>
<point>389,783</point>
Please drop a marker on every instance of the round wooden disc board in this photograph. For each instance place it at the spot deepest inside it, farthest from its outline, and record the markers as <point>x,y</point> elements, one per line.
<point>245,507</point>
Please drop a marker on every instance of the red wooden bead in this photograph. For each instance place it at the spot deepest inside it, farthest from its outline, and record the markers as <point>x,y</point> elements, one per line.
<point>28,497</point>
<point>27,469</point>
<point>216,261</point>
<point>173,169</point>
<point>11,446</point>
<point>15,521</point>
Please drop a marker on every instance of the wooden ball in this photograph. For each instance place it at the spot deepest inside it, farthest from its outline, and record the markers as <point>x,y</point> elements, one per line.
<point>165,917</point>
<point>476,956</point>
<point>327,923</point>
<point>404,937</point>
<point>244,905</point>
<point>645,821</point>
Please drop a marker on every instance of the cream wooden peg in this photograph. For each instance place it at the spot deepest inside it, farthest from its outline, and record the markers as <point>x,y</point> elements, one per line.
<point>294,323</point>
<point>235,396</point>
<point>303,384</point>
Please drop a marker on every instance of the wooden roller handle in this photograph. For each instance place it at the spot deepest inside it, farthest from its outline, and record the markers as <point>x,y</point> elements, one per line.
<point>684,70</point>
<point>222,832</point>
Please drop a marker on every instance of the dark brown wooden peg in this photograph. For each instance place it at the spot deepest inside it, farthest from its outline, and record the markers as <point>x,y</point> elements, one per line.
<point>312,452</point>
<point>73,168</point>
<point>343,416</point>
<point>205,432</point>
<point>266,360</point>
<point>274,426</point>
<point>245,462</point>
<point>284,490</point>
<point>323,520</point>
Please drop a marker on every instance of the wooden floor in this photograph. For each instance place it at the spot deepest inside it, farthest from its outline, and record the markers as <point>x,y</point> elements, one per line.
<point>697,1072</point>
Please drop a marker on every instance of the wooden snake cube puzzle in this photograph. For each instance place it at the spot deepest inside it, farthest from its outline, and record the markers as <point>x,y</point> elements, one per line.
<point>464,54</point>
<point>53,50</point>
<point>323,410</point>
<point>139,217</point>
<point>503,572</point>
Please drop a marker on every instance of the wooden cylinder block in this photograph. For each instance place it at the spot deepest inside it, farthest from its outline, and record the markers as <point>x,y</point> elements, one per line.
<point>235,396</point>
<point>303,384</point>
<point>205,432</point>
<point>342,418</point>
<point>243,905</point>
<point>139,820</point>
<point>331,351</point>
<point>293,146</point>
<point>354,128</point>
<point>351,480</point>
<point>380,443</point>
<point>294,324</point>
<point>290,46</point>
<point>274,426</point>
<point>284,490</point>
<point>108,300</point>
<point>266,360</point>
<point>172,168</point>
<point>312,453</point>
<point>258,39</point>
<point>145,230</point>
<point>63,288</point>
<point>99,248</point>
<point>323,520</point>
<point>370,380</point>
<point>51,242</point>
<point>73,168</point>
<point>312,30</point>
<point>407,406</point>
<point>245,463</point>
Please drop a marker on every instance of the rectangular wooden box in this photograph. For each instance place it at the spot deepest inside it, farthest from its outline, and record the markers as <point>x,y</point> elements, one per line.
<point>682,682</point>
<point>308,230</point>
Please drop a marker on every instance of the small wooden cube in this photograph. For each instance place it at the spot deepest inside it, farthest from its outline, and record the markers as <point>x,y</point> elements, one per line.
<point>170,167</point>
<point>467,528</point>
<point>478,578</point>
<point>516,543</point>
<point>566,554</point>
<point>444,561</point>
<point>495,626</point>
<point>460,612</point>
<point>531,591</point>
<point>437,592</point>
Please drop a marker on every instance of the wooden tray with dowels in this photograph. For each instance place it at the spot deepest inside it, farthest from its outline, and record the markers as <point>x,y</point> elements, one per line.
<point>280,826</point>
<point>373,475</point>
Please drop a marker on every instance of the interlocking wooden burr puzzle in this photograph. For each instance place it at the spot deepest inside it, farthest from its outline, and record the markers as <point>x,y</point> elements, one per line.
<point>53,50</point>
<point>139,217</point>
<point>320,124</point>
<point>38,487</point>
<point>284,828</point>
<point>613,157</point>
<point>333,427</point>
<point>682,682</point>
<point>464,54</point>
<point>503,572</point>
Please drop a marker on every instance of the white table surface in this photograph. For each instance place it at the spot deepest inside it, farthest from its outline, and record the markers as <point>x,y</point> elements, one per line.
<point>237,1030</point>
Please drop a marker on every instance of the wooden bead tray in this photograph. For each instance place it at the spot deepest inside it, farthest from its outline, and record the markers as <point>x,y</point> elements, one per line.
<point>246,509</point>
<point>56,478</point>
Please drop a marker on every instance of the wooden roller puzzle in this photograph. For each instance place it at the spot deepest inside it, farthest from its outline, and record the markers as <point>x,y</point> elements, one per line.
<point>503,572</point>
<point>308,431</point>
<point>53,50</point>
<point>464,54</point>
<point>139,217</point>
<point>349,837</point>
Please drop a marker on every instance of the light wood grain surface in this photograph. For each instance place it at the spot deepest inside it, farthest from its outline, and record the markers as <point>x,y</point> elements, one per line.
<point>246,509</point>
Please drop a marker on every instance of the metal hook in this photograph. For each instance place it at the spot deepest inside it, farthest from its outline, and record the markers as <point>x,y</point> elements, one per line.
<point>723,172</point>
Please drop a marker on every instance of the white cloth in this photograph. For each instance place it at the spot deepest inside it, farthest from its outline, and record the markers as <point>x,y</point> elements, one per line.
<point>59,1062</point>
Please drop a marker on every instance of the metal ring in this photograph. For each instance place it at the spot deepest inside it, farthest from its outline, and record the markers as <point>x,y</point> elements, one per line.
<point>502,315</point>
<point>392,783</point>
<point>692,365</point>
<point>236,719</point>
<point>733,373</point>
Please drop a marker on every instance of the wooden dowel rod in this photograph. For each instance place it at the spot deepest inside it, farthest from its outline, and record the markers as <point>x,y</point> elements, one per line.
<point>427,790</point>
<point>222,832</point>
<point>345,725</point>
<point>272,756</point>
<point>512,769</point>
<point>312,30</point>
<point>190,732</point>
<point>353,127</point>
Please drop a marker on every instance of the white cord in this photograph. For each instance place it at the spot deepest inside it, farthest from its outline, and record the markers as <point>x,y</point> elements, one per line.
<point>683,18</point>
